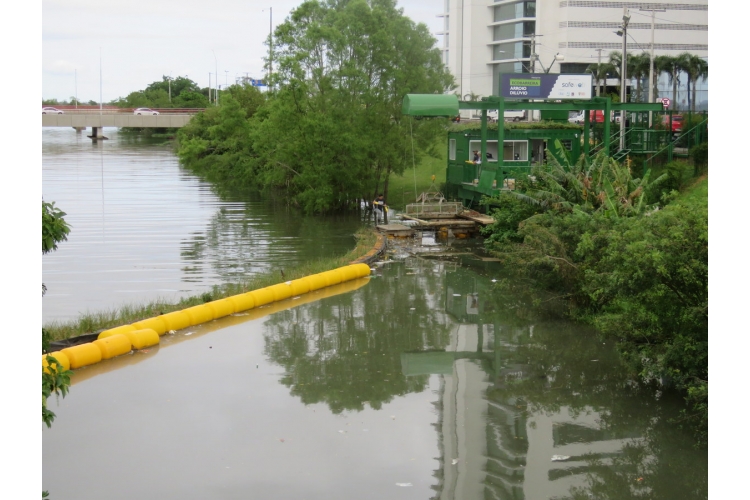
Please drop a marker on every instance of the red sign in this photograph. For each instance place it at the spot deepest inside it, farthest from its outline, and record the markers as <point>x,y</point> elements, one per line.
<point>665,102</point>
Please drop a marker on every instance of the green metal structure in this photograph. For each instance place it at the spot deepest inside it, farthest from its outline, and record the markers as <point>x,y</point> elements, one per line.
<point>527,144</point>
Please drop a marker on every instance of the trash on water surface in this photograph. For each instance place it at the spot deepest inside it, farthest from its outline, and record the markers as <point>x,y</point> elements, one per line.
<point>560,458</point>
<point>189,333</point>
<point>456,294</point>
<point>454,461</point>
<point>404,485</point>
<point>172,332</point>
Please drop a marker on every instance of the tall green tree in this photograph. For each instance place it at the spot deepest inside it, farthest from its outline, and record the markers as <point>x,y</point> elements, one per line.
<point>334,132</point>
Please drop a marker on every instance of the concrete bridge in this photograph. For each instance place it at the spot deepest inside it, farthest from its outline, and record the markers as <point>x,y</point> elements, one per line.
<point>97,119</point>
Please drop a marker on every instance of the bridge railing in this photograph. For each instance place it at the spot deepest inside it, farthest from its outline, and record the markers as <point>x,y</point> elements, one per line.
<point>94,110</point>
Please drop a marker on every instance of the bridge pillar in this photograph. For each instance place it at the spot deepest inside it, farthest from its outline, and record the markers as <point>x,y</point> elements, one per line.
<point>79,129</point>
<point>96,133</point>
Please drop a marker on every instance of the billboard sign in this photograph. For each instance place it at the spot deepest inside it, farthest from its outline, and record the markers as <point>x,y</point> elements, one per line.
<point>545,86</point>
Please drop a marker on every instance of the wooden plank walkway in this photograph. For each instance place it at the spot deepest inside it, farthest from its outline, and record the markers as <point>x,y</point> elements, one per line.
<point>477,217</point>
<point>441,222</point>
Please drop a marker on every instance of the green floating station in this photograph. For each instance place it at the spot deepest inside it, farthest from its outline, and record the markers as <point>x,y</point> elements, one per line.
<point>525,144</point>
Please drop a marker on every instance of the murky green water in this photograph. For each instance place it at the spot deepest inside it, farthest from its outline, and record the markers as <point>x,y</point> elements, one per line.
<point>143,228</point>
<point>417,383</point>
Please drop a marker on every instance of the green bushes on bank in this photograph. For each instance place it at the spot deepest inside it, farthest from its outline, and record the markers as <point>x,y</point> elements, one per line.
<point>626,261</point>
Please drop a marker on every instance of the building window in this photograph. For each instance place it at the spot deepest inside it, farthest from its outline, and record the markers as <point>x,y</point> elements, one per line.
<point>574,68</point>
<point>515,50</point>
<point>513,30</point>
<point>452,149</point>
<point>515,151</point>
<point>514,11</point>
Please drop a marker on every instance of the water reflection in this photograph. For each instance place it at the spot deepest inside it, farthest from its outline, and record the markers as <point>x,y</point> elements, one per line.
<point>529,407</point>
<point>143,228</point>
<point>422,375</point>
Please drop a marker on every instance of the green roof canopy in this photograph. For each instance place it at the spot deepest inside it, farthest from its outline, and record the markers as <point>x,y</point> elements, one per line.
<point>430,105</point>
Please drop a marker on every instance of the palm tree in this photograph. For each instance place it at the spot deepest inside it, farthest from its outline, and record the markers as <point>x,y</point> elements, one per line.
<point>671,66</point>
<point>600,73</point>
<point>638,68</point>
<point>696,68</point>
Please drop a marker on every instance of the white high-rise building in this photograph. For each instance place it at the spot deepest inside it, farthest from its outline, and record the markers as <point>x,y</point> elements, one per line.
<point>482,39</point>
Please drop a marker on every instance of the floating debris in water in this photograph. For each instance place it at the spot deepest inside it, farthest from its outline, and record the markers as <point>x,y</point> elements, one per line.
<point>404,485</point>
<point>454,461</point>
<point>560,458</point>
<point>189,333</point>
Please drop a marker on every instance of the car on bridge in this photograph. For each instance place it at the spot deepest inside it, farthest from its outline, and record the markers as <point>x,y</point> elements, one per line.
<point>145,111</point>
<point>51,111</point>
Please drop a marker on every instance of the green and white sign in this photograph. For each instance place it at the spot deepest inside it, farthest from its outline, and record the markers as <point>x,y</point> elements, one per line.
<point>545,86</point>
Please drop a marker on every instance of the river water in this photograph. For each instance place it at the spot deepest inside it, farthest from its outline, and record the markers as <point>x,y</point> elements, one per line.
<point>421,381</point>
<point>143,228</point>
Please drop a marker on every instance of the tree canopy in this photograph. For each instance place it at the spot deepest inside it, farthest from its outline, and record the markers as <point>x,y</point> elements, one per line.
<point>179,92</point>
<point>331,130</point>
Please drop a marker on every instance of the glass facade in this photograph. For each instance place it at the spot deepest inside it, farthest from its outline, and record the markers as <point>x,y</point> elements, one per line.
<point>514,11</point>
<point>513,50</point>
<point>513,30</point>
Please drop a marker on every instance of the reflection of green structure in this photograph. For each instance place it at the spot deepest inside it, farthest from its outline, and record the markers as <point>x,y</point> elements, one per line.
<point>471,426</point>
<point>491,446</point>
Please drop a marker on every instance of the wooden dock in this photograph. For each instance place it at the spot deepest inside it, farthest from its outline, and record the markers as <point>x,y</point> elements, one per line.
<point>396,230</point>
<point>438,223</point>
<point>475,216</point>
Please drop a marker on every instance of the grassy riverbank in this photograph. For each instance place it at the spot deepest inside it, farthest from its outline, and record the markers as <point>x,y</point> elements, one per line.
<point>401,188</point>
<point>93,322</point>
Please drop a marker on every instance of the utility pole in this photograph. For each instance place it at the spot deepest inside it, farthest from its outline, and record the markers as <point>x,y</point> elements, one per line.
<point>76,83</point>
<point>216,91</point>
<point>100,82</point>
<point>209,86</point>
<point>651,84</point>
<point>623,74</point>
<point>270,36</point>
<point>598,70</point>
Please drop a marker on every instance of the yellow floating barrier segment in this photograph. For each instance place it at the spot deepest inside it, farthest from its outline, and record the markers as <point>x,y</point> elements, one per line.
<point>145,333</point>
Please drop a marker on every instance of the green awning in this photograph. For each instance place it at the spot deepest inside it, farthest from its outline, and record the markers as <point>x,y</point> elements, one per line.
<point>430,105</point>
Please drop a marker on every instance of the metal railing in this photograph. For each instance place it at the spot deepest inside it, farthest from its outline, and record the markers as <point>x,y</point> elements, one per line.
<point>111,110</point>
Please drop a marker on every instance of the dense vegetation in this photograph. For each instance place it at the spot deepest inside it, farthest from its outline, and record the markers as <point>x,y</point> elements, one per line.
<point>331,132</point>
<point>55,379</point>
<point>624,258</point>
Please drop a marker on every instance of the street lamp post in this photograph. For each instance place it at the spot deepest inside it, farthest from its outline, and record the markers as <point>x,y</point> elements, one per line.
<point>558,57</point>
<point>651,85</point>
<point>623,72</point>
<point>216,93</point>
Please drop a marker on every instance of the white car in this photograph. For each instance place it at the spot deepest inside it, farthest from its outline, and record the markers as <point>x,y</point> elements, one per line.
<point>577,118</point>
<point>51,111</point>
<point>145,111</point>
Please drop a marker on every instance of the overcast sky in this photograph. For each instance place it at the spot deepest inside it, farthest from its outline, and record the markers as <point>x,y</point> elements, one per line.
<point>141,40</point>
